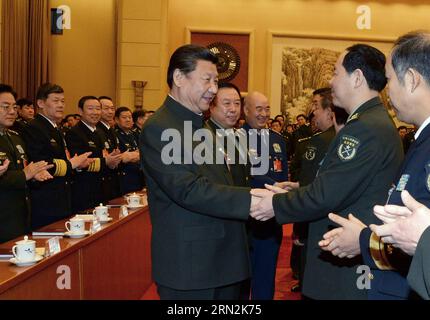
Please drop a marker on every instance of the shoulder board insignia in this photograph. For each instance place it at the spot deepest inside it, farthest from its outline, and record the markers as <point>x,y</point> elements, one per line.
<point>317,134</point>
<point>304,139</point>
<point>13,132</point>
<point>355,116</point>
<point>273,131</point>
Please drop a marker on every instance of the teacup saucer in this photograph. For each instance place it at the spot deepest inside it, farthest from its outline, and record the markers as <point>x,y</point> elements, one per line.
<point>27,263</point>
<point>76,235</point>
<point>135,207</point>
<point>106,220</point>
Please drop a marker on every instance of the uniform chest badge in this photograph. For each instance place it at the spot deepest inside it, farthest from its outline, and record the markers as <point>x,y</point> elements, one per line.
<point>20,149</point>
<point>403,181</point>
<point>348,147</point>
<point>310,153</point>
<point>277,148</point>
<point>428,176</point>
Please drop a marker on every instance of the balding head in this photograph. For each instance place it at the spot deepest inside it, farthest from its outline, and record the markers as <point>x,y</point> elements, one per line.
<point>257,110</point>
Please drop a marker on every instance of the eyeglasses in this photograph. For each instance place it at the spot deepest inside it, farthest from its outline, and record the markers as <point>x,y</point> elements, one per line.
<point>9,107</point>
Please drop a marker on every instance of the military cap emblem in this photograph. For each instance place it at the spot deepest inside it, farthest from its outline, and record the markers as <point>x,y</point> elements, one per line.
<point>310,153</point>
<point>348,148</point>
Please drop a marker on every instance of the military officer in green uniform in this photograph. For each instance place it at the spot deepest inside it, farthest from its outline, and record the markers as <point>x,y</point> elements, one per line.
<point>356,174</point>
<point>199,242</point>
<point>51,200</point>
<point>14,193</point>
<point>309,155</point>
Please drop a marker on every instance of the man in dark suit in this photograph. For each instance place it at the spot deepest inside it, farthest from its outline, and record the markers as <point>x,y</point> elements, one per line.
<point>51,200</point>
<point>199,242</point>
<point>106,130</point>
<point>14,197</point>
<point>356,173</point>
<point>84,138</point>
<point>409,93</point>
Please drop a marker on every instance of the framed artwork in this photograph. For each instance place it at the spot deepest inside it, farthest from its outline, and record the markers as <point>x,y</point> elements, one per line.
<point>233,49</point>
<point>299,64</point>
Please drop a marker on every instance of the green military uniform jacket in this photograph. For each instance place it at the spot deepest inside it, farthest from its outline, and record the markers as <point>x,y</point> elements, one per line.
<point>14,204</point>
<point>419,271</point>
<point>309,155</point>
<point>356,174</point>
<point>198,217</point>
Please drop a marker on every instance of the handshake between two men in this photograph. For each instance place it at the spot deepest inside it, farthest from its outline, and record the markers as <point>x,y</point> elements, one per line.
<point>261,200</point>
<point>402,228</point>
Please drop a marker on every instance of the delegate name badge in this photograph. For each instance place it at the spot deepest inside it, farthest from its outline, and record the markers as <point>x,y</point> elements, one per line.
<point>277,165</point>
<point>348,147</point>
<point>402,182</point>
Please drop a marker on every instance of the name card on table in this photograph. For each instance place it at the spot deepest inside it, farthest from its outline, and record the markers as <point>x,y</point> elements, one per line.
<point>52,246</point>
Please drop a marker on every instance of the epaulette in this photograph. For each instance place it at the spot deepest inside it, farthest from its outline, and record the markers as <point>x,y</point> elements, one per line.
<point>304,139</point>
<point>355,116</point>
<point>13,132</point>
<point>317,134</point>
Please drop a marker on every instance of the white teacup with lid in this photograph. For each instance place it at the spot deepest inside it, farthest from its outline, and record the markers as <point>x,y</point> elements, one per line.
<point>101,212</point>
<point>134,200</point>
<point>25,250</point>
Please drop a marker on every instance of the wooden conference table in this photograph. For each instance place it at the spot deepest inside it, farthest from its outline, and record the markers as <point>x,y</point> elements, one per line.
<point>113,263</point>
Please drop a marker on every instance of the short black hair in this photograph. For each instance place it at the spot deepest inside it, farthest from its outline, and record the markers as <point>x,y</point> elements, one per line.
<point>24,102</point>
<point>229,85</point>
<point>325,94</point>
<point>370,61</point>
<point>84,99</point>
<point>401,128</point>
<point>105,98</point>
<point>279,122</point>
<point>185,59</point>
<point>340,114</point>
<point>46,89</point>
<point>302,115</point>
<point>138,114</point>
<point>412,50</point>
<point>5,88</point>
<point>280,115</point>
<point>121,110</point>
<point>68,116</point>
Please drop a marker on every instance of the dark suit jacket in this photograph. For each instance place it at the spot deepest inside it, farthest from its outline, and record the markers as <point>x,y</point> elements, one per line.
<point>198,217</point>
<point>87,183</point>
<point>419,272</point>
<point>414,176</point>
<point>51,200</point>
<point>356,174</point>
<point>111,177</point>
<point>14,204</point>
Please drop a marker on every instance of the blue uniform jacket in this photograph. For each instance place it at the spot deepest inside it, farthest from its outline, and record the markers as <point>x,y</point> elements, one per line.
<point>413,176</point>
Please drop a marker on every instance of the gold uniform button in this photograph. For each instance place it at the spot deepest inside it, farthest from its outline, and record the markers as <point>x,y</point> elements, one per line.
<point>371,276</point>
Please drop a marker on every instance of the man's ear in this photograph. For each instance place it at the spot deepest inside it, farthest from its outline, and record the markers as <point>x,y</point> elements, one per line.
<point>358,78</point>
<point>178,77</point>
<point>412,80</point>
